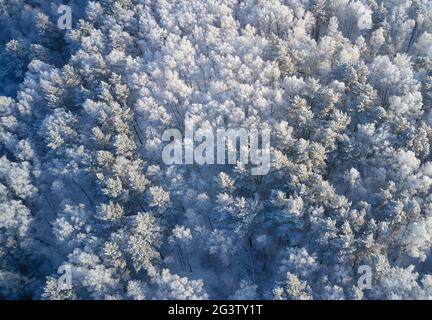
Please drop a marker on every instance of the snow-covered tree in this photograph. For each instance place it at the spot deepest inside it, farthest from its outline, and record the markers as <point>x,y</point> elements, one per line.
<point>343,86</point>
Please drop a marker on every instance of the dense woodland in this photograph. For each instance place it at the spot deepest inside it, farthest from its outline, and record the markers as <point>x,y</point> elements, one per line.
<point>344,85</point>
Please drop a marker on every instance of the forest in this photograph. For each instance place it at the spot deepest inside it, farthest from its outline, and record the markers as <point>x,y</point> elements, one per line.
<point>89,209</point>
